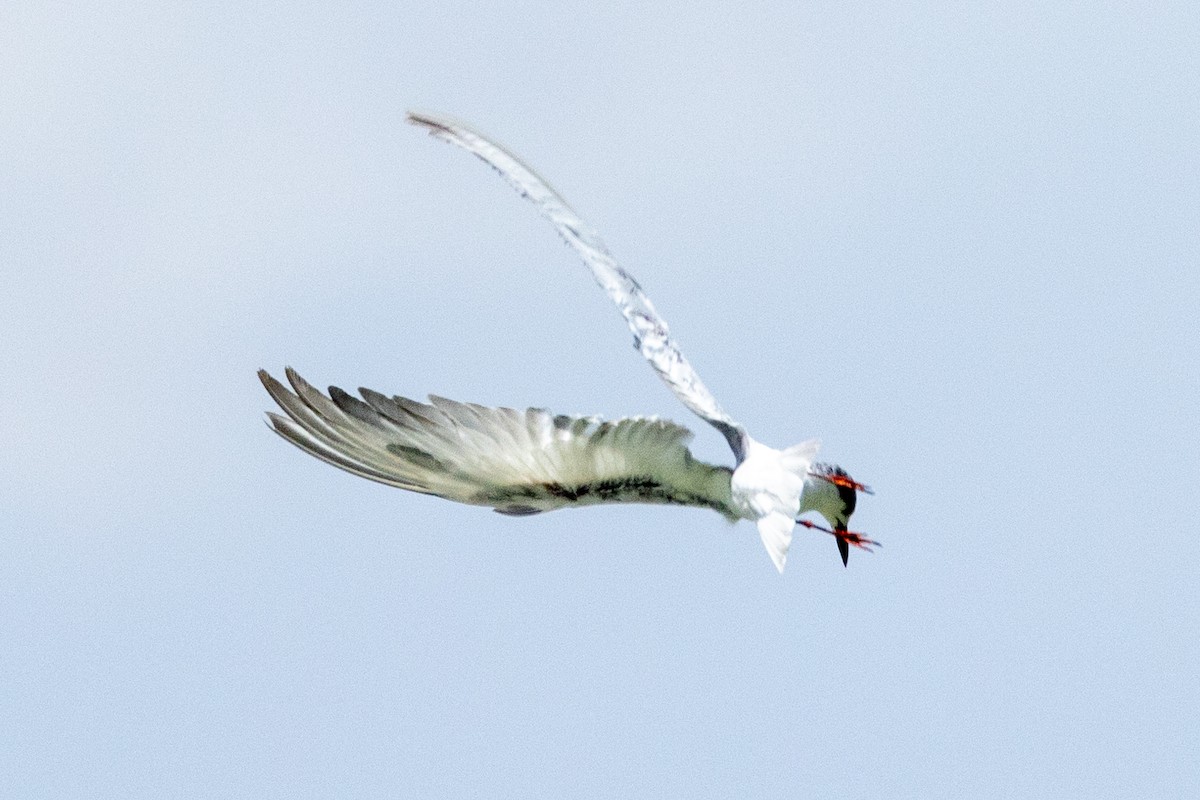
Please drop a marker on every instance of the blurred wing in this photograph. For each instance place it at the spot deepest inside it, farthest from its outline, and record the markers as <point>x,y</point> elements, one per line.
<point>518,462</point>
<point>650,332</point>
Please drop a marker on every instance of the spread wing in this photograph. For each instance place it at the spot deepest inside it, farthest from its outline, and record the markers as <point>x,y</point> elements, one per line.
<point>518,462</point>
<point>650,332</point>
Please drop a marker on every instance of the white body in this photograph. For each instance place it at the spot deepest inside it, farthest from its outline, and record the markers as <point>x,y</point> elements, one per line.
<point>768,487</point>
<point>532,461</point>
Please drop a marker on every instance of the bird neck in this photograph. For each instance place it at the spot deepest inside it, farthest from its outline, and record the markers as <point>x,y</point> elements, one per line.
<point>823,497</point>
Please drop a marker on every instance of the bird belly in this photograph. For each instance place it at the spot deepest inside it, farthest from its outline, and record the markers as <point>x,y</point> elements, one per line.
<point>762,486</point>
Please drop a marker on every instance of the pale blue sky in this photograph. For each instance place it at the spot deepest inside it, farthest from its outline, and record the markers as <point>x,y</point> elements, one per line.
<point>958,242</point>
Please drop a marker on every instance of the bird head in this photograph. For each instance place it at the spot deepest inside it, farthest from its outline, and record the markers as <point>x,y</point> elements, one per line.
<point>833,494</point>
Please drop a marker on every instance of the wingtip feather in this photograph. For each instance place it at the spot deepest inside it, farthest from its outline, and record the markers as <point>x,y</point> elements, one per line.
<point>439,126</point>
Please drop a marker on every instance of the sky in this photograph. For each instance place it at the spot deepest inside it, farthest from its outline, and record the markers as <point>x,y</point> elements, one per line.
<point>956,241</point>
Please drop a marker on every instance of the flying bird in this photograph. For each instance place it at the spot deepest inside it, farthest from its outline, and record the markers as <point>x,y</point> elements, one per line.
<point>531,461</point>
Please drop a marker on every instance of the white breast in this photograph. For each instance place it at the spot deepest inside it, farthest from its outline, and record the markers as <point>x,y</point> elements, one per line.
<point>762,484</point>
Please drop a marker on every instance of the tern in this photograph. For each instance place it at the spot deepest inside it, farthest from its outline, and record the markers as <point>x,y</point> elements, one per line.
<point>528,462</point>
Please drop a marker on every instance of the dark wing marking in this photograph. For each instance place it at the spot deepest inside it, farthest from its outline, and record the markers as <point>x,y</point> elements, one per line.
<point>650,332</point>
<point>518,462</point>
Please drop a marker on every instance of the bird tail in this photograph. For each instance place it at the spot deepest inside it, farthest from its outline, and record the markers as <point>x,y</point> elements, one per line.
<point>775,529</point>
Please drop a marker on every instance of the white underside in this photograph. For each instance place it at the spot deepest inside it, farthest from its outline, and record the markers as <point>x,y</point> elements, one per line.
<point>767,488</point>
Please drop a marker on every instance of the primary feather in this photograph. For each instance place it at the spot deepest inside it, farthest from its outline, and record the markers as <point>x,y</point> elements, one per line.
<point>650,333</point>
<point>517,462</point>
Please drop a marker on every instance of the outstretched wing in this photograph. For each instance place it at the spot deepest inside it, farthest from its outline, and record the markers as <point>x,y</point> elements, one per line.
<point>518,462</point>
<point>650,332</point>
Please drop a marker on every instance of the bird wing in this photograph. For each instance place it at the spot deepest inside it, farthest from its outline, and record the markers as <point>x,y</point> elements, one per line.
<point>518,462</point>
<point>650,333</point>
